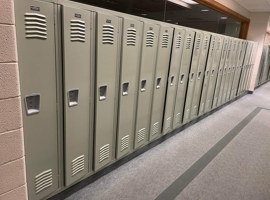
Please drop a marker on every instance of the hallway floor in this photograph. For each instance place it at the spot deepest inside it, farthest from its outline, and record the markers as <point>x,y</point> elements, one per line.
<point>225,156</point>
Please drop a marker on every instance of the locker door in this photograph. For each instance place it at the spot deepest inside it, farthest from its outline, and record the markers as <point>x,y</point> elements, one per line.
<point>183,78</point>
<point>77,98</point>
<point>207,73</point>
<point>214,72</point>
<point>36,53</point>
<point>107,65</point>
<point>198,46</point>
<point>225,74</point>
<point>250,67</point>
<point>241,64</point>
<point>176,57</point>
<point>146,82</point>
<point>130,62</point>
<point>162,67</point>
<point>220,72</point>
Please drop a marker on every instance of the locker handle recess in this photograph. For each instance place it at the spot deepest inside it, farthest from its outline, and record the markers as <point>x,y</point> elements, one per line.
<point>199,75</point>
<point>212,72</point>
<point>143,85</point>
<point>172,80</point>
<point>32,104</point>
<point>73,97</point>
<point>125,88</point>
<point>191,77</point>
<point>182,78</point>
<point>158,83</point>
<point>102,92</point>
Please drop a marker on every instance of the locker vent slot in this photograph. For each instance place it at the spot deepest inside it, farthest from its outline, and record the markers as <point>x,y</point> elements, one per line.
<point>35,26</point>
<point>104,152</point>
<point>168,122</point>
<point>77,31</point>
<point>205,43</point>
<point>131,37</point>
<point>141,134</point>
<point>218,45</point>
<point>178,41</point>
<point>188,44</point>
<point>77,165</point>
<point>149,39</point>
<point>124,142</point>
<point>178,118</point>
<point>107,34</point>
<point>155,128</point>
<point>198,43</point>
<point>165,40</point>
<point>43,180</point>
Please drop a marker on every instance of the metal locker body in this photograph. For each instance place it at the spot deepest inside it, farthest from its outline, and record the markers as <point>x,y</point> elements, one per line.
<point>107,66</point>
<point>182,80</point>
<point>76,25</point>
<point>37,57</point>
<point>220,72</point>
<point>214,72</point>
<point>176,57</point>
<point>160,82</point>
<point>207,73</point>
<point>250,66</point>
<point>130,62</point>
<point>199,43</point>
<point>225,74</point>
<point>146,82</point>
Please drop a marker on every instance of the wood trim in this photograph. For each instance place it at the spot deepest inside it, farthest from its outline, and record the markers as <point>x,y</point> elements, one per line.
<point>229,12</point>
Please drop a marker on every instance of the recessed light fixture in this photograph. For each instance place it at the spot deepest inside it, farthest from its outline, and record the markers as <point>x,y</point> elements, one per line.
<point>223,17</point>
<point>190,2</point>
<point>204,10</point>
<point>168,20</point>
<point>143,14</point>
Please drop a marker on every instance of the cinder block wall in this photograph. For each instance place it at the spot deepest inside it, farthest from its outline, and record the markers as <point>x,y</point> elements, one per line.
<point>12,162</point>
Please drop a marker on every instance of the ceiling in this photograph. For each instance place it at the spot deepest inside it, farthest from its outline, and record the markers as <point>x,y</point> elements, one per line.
<point>255,5</point>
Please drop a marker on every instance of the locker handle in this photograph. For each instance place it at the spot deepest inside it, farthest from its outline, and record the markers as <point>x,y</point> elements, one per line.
<point>182,78</point>
<point>191,77</point>
<point>102,92</point>
<point>172,80</point>
<point>73,97</point>
<point>125,88</point>
<point>199,75</point>
<point>143,85</point>
<point>207,73</point>
<point>213,72</point>
<point>32,103</point>
<point>158,83</point>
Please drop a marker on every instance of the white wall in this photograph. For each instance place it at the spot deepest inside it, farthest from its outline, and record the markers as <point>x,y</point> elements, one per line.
<point>235,7</point>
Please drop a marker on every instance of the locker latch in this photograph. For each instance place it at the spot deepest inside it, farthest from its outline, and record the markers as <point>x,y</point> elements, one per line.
<point>125,89</point>
<point>172,80</point>
<point>143,85</point>
<point>73,97</point>
<point>182,79</point>
<point>158,83</point>
<point>102,92</point>
<point>191,77</point>
<point>32,104</point>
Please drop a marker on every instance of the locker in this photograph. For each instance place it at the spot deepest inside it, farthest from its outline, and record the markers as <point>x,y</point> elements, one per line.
<point>199,53</point>
<point>160,84</point>
<point>76,25</point>
<point>214,72</point>
<point>37,57</point>
<point>206,78</point>
<point>146,82</point>
<point>176,57</point>
<point>183,78</point>
<point>130,62</point>
<point>220,72</point>
<point>107,69</point>
<point>225,74</point>
<point>250,66</point>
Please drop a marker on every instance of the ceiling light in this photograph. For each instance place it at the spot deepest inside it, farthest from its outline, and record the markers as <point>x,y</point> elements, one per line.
<point>223,17</point>
<point>168,20</point>
<point>204,10</point>
<point>190,2</point>
<point>143,14</point>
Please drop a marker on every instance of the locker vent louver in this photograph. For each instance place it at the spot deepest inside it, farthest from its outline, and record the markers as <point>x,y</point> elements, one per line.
<point>205,43</point>
<point>178,118</point>
<point>107,34</point>
<point>77,165</point>
<point>35,26</point>
<point>141,134</point>
<point>77,31</point>
<point>165,40</point>
<point>178,41</point>
<point>168,122</point>
<point>131,37</point>
<point>124,142</point>
<point>104,152</point>
<point>43,180</point>
<point>155,128</point>
<point>188,44</point>
<point>149,39</point>
<point>198,43</point>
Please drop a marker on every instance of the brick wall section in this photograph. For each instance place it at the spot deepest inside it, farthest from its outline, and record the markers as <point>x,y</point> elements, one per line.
<point>12,161</point>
